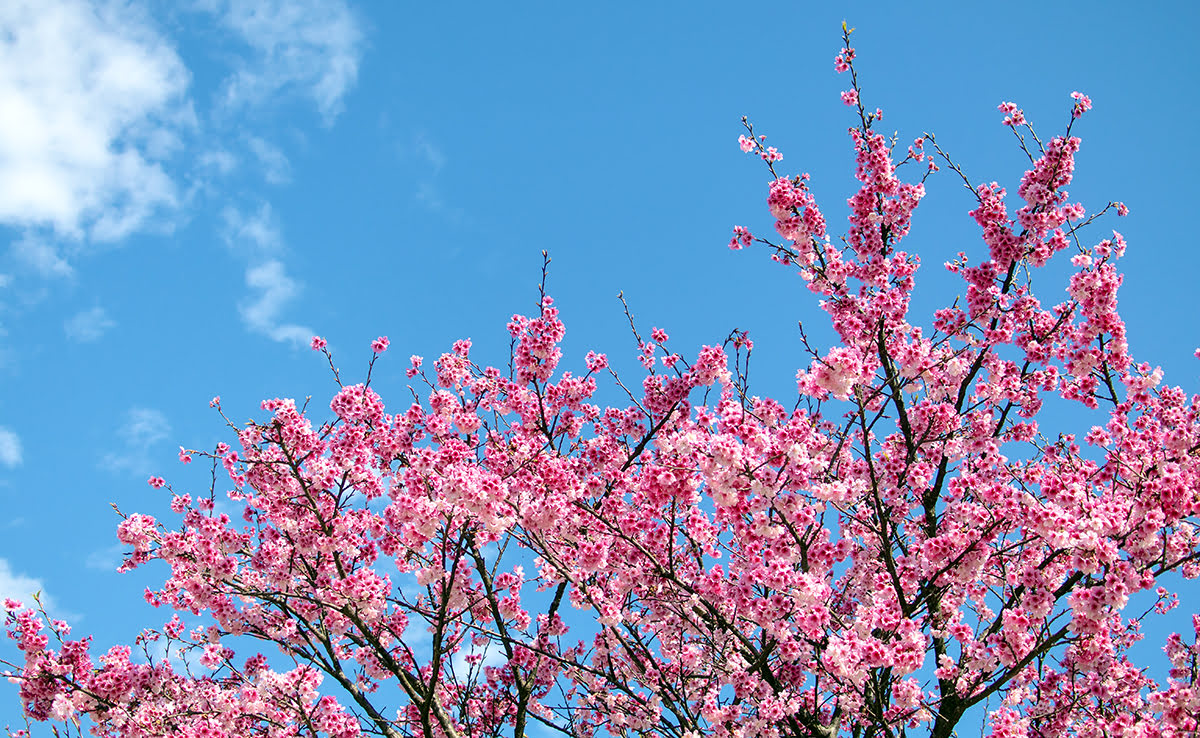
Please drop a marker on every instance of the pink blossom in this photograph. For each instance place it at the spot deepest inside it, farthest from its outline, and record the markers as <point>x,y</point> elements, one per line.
<point>379,345</point>
<point>841,62</point>
<point>1083,103</point>
<point>741,238</point>
<point>1013,116</point>
<point>596,362</point>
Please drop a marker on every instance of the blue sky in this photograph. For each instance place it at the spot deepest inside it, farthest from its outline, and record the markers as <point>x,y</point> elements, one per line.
<point>188,191</point>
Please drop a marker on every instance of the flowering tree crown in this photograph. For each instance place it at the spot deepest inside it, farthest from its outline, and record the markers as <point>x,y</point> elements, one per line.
<point>898,544</point>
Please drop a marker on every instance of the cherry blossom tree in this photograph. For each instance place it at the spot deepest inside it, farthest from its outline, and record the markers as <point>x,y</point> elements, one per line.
<point>904,543</point>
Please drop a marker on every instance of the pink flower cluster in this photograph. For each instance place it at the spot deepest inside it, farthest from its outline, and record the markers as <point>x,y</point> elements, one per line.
<point>1083,103</point>
<point>1013,116</point>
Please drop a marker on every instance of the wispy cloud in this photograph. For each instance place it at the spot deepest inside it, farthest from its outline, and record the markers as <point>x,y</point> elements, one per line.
<point>88,325</point>
<point>429,152</point>
<point>252,232</point>
<point>276,168</point>
<point>430,197</point>
<point>429,159</point>
<point>142,429</point>
<point>106,559</point>
<point>21,587</point>
<point>255,236</point>
<point>92,99</point>
<point>306,47</point>
<point>263,314</point>
<point>145,427</point>
<point>40,256</point>
<point>218,160</point>
<point>10,448</point>
<point>483,656</point>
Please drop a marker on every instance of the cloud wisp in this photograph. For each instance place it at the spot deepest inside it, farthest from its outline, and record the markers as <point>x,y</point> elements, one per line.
<point>20,587</point>
<point>41,256</point>
<point>306,47</point>
<point>275,167</point>
<point>88,325</point>
<point>105,559</point>
<point>429,159</point>
<point>429,153</point>
<point>10,448</point>
<point>92,102</point>
<point>251,232</point>
<point>143,428</point>
<point>263,314</point>
<point>254,235</point>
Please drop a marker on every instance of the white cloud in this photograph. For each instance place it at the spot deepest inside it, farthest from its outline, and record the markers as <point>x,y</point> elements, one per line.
<point>10,448</point>
<point>106,559</point>
<point>427,150</point>
<point>430,160</point>
<point>256,236</point>
<point>91,100</point>
<point>263,314</point>
<point>276,168</point>
<point>430,197</point>
<point>143,428</point>
<point>219,159</point>
<point>40,256</point>
<point>20,587</point>
<point>489,654</point>
<point>88,325</point>
<point>256,230</point>
<point>310,47</point>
